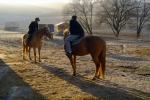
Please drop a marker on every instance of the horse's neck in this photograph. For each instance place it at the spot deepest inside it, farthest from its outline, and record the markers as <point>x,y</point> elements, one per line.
<point>38,36</point>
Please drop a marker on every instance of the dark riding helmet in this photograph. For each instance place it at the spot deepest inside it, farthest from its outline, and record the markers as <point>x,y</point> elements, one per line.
<point>37,19</point>
<point>74,17</point>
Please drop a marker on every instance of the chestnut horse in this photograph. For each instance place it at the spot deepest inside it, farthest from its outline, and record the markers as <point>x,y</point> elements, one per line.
<point>93,45</point>
<point>36,42</point>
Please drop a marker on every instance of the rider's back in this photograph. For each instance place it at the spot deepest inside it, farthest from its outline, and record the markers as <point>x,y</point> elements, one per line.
<point>33,26</point>
<point>76,29</point>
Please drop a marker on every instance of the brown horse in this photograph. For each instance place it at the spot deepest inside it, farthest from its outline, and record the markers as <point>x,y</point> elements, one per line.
<point>93,45</point>
<point>36,42</point>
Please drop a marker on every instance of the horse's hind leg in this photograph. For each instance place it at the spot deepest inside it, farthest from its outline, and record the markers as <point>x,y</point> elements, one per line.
<point>102,59</point>
<point>97,64</point>
<point>73,64</point>
<point>23,52</point>
<point>39,51</point>
<point>29,52</point>
<point>34,49</point>
<point>102,69</point>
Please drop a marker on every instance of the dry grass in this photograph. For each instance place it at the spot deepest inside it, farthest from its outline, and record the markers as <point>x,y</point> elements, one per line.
<point>51,79</point>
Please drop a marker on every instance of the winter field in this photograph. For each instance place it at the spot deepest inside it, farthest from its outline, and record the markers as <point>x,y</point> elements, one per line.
<point>127,71</point>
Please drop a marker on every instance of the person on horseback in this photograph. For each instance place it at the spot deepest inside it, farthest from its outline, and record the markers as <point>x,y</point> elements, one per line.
<point>76,32</point>
<point>33,27</point>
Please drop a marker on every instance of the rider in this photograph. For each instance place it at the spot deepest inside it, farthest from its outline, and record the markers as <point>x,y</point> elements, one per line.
<point>33,27</point>
<point>76,32</point>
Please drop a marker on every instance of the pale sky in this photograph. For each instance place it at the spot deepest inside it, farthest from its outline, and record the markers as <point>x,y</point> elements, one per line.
<point>32,2</point>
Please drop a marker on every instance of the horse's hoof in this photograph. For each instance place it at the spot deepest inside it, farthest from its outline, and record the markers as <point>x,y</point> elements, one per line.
<point>94,78</point>
<point>24,59</point>
<point>73,74</point>
<point>102,78</point>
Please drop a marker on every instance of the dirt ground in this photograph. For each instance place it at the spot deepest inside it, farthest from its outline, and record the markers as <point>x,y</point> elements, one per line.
<point>127,72</point>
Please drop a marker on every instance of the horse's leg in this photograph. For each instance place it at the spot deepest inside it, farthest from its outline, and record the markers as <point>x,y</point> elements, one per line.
<point>74,61</point>
<point>73,67</point>
<point>29,51</point>
<point>34,49</point>
<point>103,65</point>
<point>23,52</point>
<point>97,64</point>
<point>97,70</point>
<point>39,51</point>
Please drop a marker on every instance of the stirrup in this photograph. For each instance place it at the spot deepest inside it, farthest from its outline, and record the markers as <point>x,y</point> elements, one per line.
<point>69,55</point>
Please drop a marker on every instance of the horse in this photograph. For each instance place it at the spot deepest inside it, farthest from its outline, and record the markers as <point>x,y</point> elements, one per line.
<point>93,45</point>
<point>36,42</point>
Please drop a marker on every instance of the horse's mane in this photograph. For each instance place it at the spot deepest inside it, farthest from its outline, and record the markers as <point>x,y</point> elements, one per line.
<point>40,30</point>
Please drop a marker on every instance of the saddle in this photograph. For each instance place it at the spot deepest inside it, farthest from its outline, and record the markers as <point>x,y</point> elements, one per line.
<point>76,41</point>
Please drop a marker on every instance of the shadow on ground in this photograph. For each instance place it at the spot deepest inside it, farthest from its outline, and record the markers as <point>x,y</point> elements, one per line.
<point>13,87</point>
<point>126,58</point>
<point>105,91</point>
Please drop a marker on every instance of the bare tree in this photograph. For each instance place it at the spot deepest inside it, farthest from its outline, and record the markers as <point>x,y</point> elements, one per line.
<point>116,13</point>
<point>69,10</point>
<point>99,16</point>
<point>142,15</point>
<point>84,10</point>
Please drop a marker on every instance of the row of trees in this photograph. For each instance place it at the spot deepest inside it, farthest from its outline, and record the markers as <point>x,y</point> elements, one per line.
<point>116,13</point>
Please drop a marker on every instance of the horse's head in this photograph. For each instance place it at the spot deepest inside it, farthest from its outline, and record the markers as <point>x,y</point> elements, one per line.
<point>47,33</point>
<point>66,33</point>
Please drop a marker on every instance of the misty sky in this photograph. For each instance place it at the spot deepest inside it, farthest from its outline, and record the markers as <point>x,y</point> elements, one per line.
<point>41,3</point>
<point>27,10</point>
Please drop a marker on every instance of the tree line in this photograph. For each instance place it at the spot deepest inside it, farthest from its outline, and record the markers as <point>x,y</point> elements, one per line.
<point>115,13</point>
